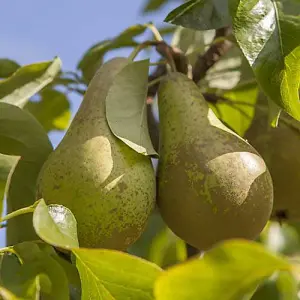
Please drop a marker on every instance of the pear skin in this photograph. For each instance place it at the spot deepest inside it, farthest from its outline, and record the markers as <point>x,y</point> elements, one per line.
<point>109,187</point>
<point>212,185</point>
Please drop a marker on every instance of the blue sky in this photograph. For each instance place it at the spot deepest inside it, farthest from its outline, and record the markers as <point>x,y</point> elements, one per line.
<point>35,30</point>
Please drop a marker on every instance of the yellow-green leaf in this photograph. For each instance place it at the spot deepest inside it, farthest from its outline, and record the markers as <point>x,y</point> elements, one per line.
<point>56,225</point>
<point>268,39</point>
<point>229,271</point>
<point>27,81</point>
<point>113,275</point>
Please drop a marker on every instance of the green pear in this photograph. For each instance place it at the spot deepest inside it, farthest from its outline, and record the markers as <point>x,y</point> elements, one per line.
<point>212,185</point>
<point>109,187</point>
<point>280,148</point>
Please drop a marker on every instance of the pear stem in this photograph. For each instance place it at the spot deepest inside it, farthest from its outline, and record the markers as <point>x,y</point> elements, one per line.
<point>21,211</point>
<point>155,32</point>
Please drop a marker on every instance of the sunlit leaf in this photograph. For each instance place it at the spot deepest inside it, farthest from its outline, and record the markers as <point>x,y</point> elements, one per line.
<point>201,14</point>
<point>22,135</point>
<point>126,107</point>
<point>56,225</point>
<point>239,108</point>
<point>229,271</point>
<point>268,41</point>
<point>52,111</point>
<point>7,67</point>
<point>108,274</point>
<point>27,81</point>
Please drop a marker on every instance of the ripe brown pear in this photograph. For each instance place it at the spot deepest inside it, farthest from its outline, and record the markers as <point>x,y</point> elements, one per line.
<point>280,148</point>
<point>109,187</point>
<point>212,185</point>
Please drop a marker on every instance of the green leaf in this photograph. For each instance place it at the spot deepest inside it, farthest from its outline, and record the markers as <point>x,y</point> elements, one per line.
<point>167,249</point>
<point>126,107</point>
<point>281,238</point>
<point>239,109</point>
<point>56,225</point>
<point>37,263</point>
<point>280,286</point>
<point>226,73</point>
<point>93,57</point>
<point>153,5</point>
<point>142,246</point>
<point>27,81</point>
<point>268,41</point>
<point>22,135</point>
<point>291,7</point>
<point>267,290</point>
<point>108,274</point>
<point>6,164</point>
<point>52,111</point>
<point>192,42</point>
<point>16,280</point>
<point>201,14</point>
<point>228,272</point>
<point>8,67</point>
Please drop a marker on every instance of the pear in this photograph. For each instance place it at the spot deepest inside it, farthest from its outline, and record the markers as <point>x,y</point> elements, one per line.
<point>280,148</point>
<point>109,187</point>
<point>212,185</point>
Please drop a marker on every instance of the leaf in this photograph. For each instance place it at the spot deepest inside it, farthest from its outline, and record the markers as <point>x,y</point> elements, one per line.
<point>35,262</point>
<point>273,113</point>
<point>93,57</point>
<point>201,14</point>
<point>126,107</point>
<point>281,286</point>
<point>8,67</point>
<point>142,246</point>
<point>22,135</point>
<point>268,41</point>
<point>109,274</point>
<point>281,238</point>
<point>27,81</point>
<point>6,164</point>
<point>228,272</point>
<point>192,41</point>
<point>226,73</point>
<point>7,295</point>
<point>291,7</point>
<point>153,5</point>
<point>21,284</point>
<point>167,249</point>
<point>52,111</point>
<point>56,225</point>
<point>239,109</point>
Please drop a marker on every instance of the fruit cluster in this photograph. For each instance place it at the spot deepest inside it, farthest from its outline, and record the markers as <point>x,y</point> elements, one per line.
<point>212,184</point>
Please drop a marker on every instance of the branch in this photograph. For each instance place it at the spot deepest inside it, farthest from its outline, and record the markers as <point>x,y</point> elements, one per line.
<point>212,55</point>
